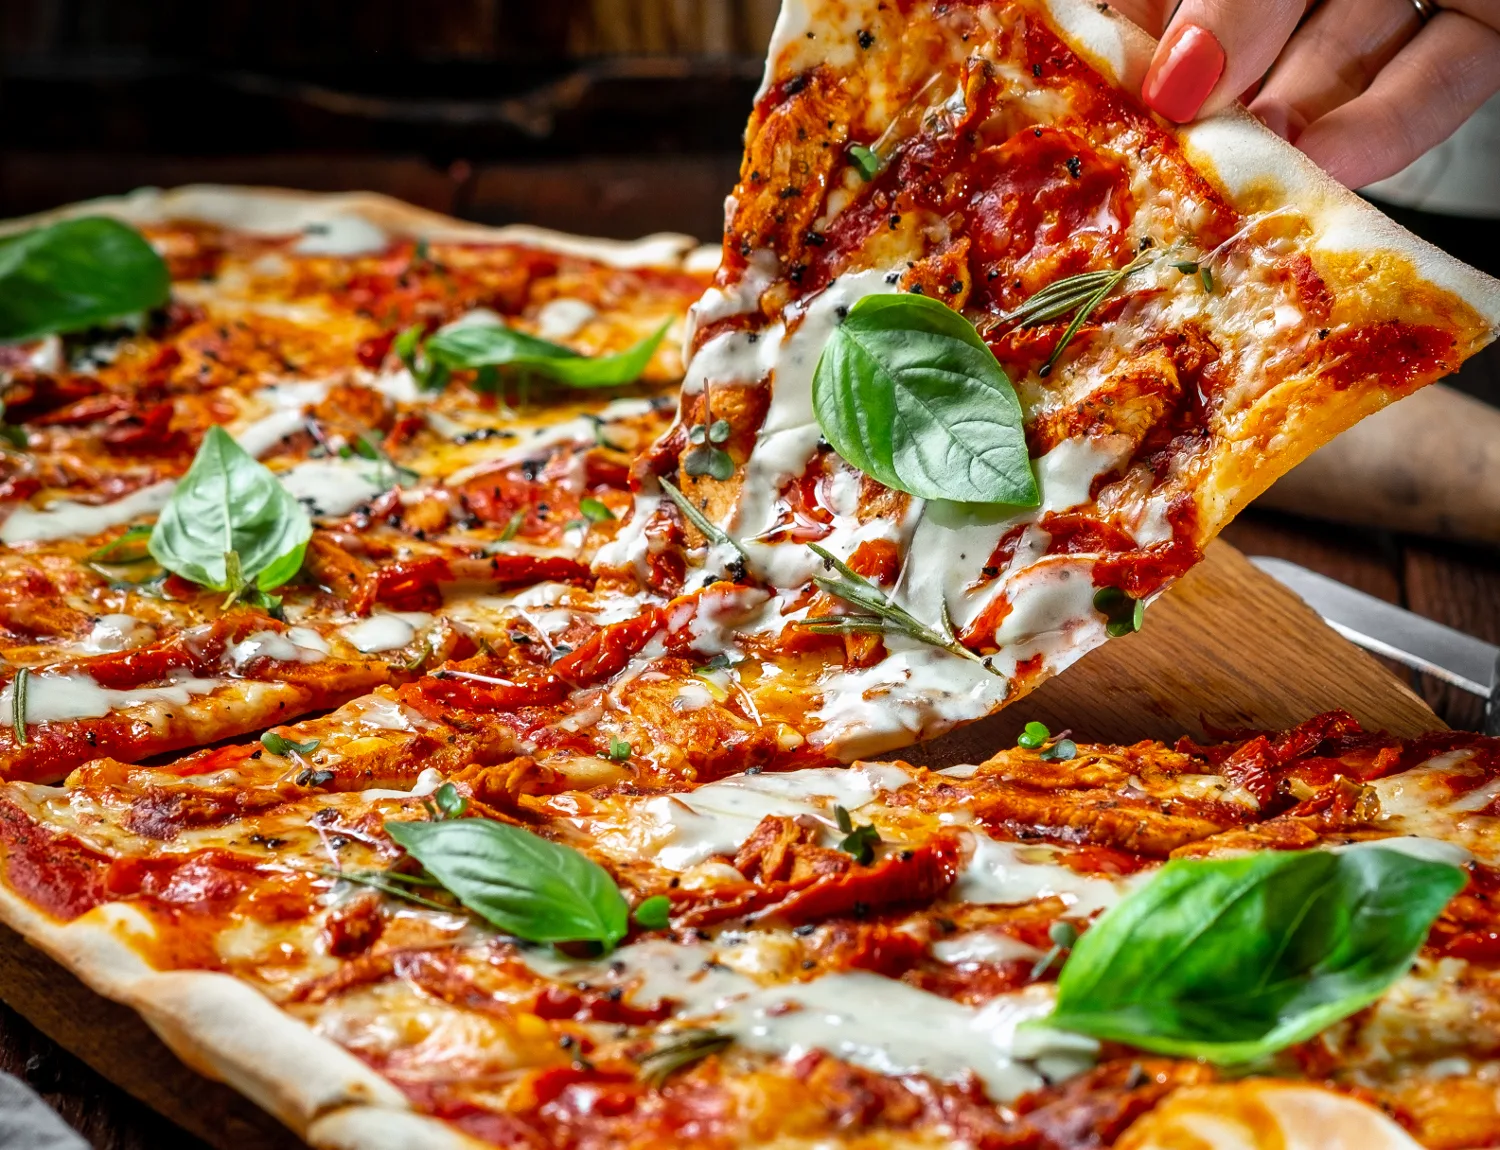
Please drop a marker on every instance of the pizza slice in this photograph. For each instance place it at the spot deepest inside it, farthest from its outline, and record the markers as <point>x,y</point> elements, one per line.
<point>993,353</point>
<point>394,930</point>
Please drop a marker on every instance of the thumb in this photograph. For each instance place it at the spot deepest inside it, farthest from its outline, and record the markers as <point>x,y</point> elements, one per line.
<point>1213,50</point>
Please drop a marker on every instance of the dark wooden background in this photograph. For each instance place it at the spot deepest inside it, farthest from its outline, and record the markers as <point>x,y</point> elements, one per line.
<point>605,117</point>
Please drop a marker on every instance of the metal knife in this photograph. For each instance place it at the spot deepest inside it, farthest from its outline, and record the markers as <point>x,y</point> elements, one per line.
<point>1466,662</point>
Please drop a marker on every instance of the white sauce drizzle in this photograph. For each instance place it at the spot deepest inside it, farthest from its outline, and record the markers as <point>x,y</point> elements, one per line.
<point>115,633</point>
<point>563,317</point>
<point>385,631</point>
<point>65,519</point>
<point>863,1018</point>
<point>56,698</point>
<point>333,487</point>
<point>717,818</point>
<point>297,645</point>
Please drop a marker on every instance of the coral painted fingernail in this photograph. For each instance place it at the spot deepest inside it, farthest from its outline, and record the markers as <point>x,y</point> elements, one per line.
<point>1186,68</point>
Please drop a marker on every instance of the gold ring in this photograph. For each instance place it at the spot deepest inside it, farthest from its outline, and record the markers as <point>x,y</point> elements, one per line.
<point>1426,9</point>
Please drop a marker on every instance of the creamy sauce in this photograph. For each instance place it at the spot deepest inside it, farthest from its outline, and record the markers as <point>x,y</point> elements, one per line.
<point>334,487</point>
<point>296,645</point>
<point>112,633</point>
<point>385,632</point>
<point>866,1019</point>
<point>65,519</point>
<point>916,692</point>
<point>1012,873</point>
<point>716,819</point>
<point>56,698</point>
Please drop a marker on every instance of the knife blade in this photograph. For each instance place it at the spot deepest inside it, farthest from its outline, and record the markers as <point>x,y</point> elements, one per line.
<point>1468,663</point>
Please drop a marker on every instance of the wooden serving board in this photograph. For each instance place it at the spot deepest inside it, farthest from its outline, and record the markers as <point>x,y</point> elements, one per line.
<point>1228,647</point>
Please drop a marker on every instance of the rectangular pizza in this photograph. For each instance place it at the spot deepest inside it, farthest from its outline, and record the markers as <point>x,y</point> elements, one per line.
<point>443,665</point>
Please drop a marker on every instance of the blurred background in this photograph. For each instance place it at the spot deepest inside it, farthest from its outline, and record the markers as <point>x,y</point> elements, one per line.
<point>610,117</point>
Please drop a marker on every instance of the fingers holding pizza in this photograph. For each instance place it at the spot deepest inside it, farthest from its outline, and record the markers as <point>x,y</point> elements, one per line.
<point>1363,87</point>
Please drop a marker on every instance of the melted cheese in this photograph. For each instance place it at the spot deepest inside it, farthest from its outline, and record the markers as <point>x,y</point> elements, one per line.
<point>385,631</point>
<point>55,698</point>
<point>66,519</point>
<point>716,819</point>
<point>112,633</point>
<point>863,1018</point>
<point>1013,873</point>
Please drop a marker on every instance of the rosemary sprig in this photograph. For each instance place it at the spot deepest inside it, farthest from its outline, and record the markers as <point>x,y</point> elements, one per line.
<point>683,1049</point>
<point>18,704</point>
<point>1078,295</point>
<point>387,884</point>
<point>878,611</point>
<point>710,531</point>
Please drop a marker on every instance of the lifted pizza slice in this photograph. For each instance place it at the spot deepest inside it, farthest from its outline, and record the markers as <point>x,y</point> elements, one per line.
<point>993,353</point>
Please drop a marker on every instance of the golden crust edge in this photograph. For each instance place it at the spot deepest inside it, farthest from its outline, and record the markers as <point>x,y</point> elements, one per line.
<point>283,210</point>
<point>1246,161</point>
<point>224,1029</point>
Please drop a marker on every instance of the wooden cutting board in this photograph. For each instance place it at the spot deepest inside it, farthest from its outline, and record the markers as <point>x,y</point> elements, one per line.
<point>1227,648</point>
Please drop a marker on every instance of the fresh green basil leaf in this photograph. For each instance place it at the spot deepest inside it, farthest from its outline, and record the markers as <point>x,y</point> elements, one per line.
<point>12,433</point>
<point>230,522</point>
<point>866,160</point>
<point>1234,959</point>
<point>281,745</point>
<point>654,913</point>
<point>493,345</point>
<point>906,391</point>
<point>75,274</point>
<point>522,883</point>
<point>449,802</point>
<point>595,510</point>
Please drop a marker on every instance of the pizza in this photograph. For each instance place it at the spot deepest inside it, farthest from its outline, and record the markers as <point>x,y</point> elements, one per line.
<point>1176,317</point>
<point>428,691</point>
<point>280,329</point>
<point>838,956</point>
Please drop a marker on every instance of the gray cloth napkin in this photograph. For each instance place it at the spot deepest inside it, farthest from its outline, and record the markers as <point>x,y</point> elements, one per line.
<point>28,1123</point>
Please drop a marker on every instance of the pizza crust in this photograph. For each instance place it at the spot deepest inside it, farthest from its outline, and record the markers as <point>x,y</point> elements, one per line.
<point>278,211</point>
<point>369,1128</point>
<point>1251,165</point>
<point>217,1025</point>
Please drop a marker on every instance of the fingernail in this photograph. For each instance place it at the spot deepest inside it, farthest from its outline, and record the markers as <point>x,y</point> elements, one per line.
<point>1186,68</point>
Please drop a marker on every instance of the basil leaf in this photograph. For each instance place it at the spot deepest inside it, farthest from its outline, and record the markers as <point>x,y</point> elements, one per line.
<point>654,913</point>
<point>230,522</point>
<point>75,274</point>
<point>866,160</point>
<point>1234,959</point>
<point>524,884</point>
<point>283,746</point>
<point>492,345</point>
<point>907,392</point>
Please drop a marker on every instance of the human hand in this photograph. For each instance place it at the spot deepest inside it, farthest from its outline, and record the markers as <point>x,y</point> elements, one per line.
<point>1363,87</point>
